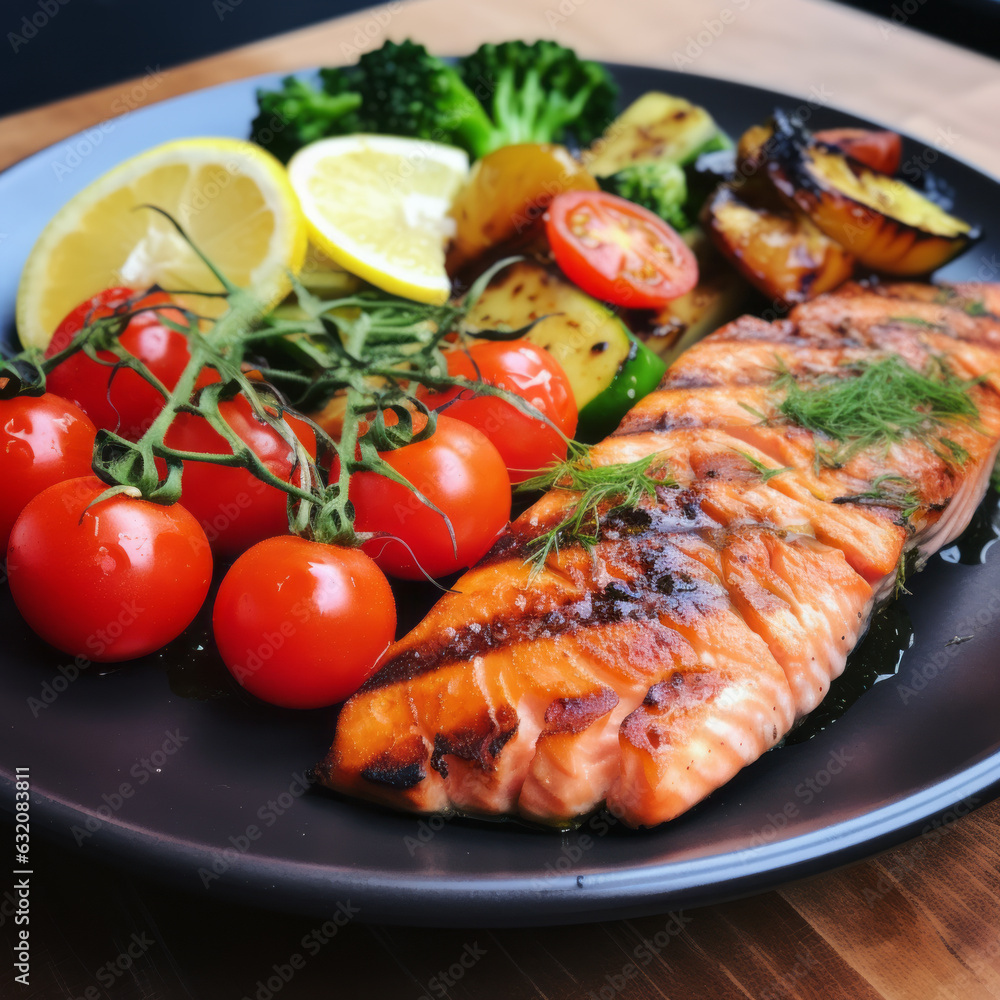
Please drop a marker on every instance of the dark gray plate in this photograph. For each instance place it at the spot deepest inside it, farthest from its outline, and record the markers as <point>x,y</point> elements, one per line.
<point>224,813</point>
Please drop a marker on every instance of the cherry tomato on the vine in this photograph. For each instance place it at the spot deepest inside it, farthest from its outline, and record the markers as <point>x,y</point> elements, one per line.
<point>462,474</point>
<point>109,582</point>
<point>526,443</point>
<point>122,400</point>
<point>618,251</point>
<point>43,440</point>
<point>301,624</point>
<point>235,508</point>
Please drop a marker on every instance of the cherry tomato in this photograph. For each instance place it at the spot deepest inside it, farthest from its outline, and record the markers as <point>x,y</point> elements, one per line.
<point>619,251</point>
<point>525,443</point>
<point>124,402</point>
<point>109,582</point>
<point>235,508</point>
<point>882,151</point>
<point>459,471</point>
<point>43,440</point>
<point>301,624</point>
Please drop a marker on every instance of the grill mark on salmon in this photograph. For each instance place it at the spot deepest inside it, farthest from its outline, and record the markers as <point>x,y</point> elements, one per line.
<point>709,617</point>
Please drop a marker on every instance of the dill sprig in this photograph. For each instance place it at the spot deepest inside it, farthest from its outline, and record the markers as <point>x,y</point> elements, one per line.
<point>953,451</point>
<point>918,321</point>
<point>888,491</point>
<point>948,296</point>
<point>877,403</point>
<point>767,473</point>
<point>603,490</point>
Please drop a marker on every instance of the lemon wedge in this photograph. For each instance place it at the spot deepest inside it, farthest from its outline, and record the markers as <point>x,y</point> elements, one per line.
<point>378,205</point>
<point>232,198</point>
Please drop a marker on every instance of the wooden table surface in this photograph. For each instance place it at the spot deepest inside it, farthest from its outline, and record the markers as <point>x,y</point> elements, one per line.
<point>919,923</point>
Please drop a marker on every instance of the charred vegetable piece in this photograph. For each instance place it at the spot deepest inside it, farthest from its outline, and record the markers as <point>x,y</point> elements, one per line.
<point>719,297</point>
<point>886,224</point>
<point>587,339</point>
<point>781,253</point>
<point>505,197</point>
<point>638,376</point>
<point>656,126</point>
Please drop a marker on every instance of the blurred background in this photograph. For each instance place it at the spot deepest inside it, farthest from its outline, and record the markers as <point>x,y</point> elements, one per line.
<point>55,48</point>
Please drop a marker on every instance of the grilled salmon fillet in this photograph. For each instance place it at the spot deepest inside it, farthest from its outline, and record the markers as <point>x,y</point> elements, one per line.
<point>707,620</point>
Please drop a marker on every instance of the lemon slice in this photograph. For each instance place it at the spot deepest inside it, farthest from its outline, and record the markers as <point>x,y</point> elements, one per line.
<point>378,206</point>
<point>232,198</point>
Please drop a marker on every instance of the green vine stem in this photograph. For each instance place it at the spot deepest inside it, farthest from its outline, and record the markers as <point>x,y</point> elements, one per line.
<point>370,347</point>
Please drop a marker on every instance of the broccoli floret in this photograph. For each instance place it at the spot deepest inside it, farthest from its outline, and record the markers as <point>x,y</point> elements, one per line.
<point>300,113</point>
<point>658,185</point>
<point>540,92</point>
<point>407,91</point>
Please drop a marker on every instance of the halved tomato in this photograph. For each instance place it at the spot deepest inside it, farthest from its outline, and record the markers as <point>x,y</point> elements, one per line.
<point>618,251</point>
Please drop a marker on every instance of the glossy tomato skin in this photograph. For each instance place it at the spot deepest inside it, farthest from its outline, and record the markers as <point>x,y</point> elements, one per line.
<point>235,508</point>
<point>301,624</point>
<point>459,471</point>
<point>618,251</point>
<point>43,440</point>
<point>875,148</point>
<point>525,443</point>
<point>112,582</point>
<point>130,404</point>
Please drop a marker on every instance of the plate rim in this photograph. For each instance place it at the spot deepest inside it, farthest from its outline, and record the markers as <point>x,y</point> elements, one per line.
<point>568,899</point>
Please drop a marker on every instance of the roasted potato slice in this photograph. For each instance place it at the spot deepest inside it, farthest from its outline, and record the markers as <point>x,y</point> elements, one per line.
<point>886,224</point>
<point>781,253</point>
<point>505,197</point>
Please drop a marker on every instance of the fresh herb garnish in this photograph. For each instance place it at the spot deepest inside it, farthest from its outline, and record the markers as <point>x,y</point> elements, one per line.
<point>888,491</point>
<point>917,321</point>
<point>762,417</point>
<point>876,403</point>
<point>603,490</point>
<point>973,307</point>
<point>956,454</point>
<point>767,473</point>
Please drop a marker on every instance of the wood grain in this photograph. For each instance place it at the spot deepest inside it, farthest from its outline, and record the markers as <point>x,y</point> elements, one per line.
<point>806,47</point>
<point>919,923</point>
